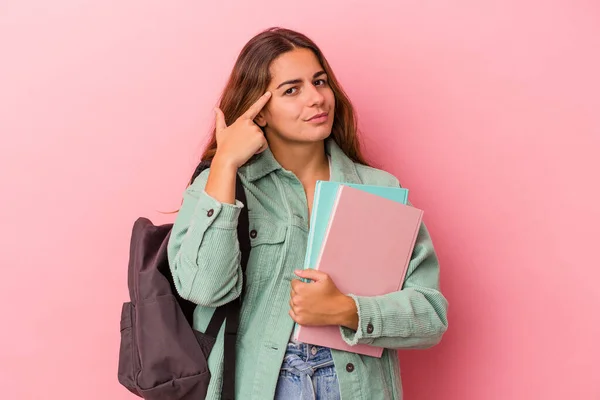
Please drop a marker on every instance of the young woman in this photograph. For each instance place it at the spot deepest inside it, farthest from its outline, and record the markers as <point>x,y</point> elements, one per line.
<point>283,123</point>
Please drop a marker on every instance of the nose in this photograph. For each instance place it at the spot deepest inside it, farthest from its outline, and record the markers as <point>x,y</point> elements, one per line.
<point>315,97</point>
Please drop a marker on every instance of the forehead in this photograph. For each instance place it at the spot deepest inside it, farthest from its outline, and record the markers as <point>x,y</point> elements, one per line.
<point>295,64</point>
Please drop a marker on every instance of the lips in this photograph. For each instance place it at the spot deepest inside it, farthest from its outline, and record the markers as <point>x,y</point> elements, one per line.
<point>318,116</point>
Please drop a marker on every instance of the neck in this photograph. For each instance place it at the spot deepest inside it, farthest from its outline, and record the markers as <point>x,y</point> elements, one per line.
<point>308,161</point>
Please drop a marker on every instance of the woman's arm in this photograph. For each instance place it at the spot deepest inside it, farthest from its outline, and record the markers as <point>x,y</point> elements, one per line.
<point>204,252</point>
<point>203,249</point>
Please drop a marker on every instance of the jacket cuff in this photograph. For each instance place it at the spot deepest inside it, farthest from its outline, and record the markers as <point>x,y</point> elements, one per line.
<point>220,215</point>
<point>369,322</point>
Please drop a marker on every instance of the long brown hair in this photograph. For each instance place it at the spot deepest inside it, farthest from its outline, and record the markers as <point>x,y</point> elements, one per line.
<point>251,77</point>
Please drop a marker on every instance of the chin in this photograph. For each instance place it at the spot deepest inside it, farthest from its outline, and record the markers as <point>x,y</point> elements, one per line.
<point>317,134</point>
<point>313,138</point>
<point>313,135</point>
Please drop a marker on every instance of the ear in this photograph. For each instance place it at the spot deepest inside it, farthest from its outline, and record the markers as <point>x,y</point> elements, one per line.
<point>261,120</point>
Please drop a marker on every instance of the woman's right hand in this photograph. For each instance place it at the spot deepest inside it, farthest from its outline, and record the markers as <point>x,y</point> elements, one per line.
<point>238,142</point>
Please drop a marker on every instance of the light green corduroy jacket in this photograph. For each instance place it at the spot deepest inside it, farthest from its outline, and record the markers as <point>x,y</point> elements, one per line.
<point>205,261</point>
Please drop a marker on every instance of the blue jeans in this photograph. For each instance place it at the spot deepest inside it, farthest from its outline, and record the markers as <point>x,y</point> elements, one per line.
<point>307,373</point>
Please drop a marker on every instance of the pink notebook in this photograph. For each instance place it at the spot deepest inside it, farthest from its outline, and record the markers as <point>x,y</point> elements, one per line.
<point>366,251</point>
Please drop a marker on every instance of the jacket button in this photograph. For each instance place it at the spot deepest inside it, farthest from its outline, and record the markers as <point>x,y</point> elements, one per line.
<point>253,233</point>
<point>210,212</point>
<point>370,328</point>
<point>349,367</point>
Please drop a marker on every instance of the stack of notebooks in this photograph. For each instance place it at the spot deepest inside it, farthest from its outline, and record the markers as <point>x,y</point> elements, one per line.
<point>362,236</point>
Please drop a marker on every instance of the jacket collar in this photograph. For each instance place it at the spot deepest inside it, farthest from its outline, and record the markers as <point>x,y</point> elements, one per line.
<point>343,168</point>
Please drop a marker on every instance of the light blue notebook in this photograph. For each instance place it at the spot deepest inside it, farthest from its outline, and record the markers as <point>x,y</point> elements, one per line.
<point>323,202</point>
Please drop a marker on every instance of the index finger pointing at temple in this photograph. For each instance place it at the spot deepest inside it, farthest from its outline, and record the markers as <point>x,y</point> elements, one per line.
<point>257,106</point>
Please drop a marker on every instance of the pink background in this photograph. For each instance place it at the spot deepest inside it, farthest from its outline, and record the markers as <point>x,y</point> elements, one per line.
<point>487,110</point>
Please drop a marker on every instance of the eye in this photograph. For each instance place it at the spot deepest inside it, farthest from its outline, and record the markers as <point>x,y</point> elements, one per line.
<point>290,91</point>
<point>321,82</point>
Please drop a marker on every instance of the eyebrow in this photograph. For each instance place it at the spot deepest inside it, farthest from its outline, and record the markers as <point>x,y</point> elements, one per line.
<point>295,81</point>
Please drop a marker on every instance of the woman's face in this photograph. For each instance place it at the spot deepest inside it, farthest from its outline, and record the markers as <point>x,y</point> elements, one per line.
<point>302,105</point>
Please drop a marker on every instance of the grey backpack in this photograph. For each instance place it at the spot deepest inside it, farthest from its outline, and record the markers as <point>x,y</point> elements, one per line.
<point>161,356</point>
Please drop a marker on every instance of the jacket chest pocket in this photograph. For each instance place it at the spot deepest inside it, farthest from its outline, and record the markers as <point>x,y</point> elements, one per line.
<point>267,238</point>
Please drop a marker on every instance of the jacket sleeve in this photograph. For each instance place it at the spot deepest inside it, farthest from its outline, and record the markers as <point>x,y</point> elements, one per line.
<point>411,318</point>
<point>203,250</point>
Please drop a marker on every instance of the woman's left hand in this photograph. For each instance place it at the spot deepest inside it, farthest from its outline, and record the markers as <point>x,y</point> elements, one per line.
<point>320,302</point>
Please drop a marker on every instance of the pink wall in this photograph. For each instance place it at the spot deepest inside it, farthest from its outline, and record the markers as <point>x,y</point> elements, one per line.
<point>486,110</point>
